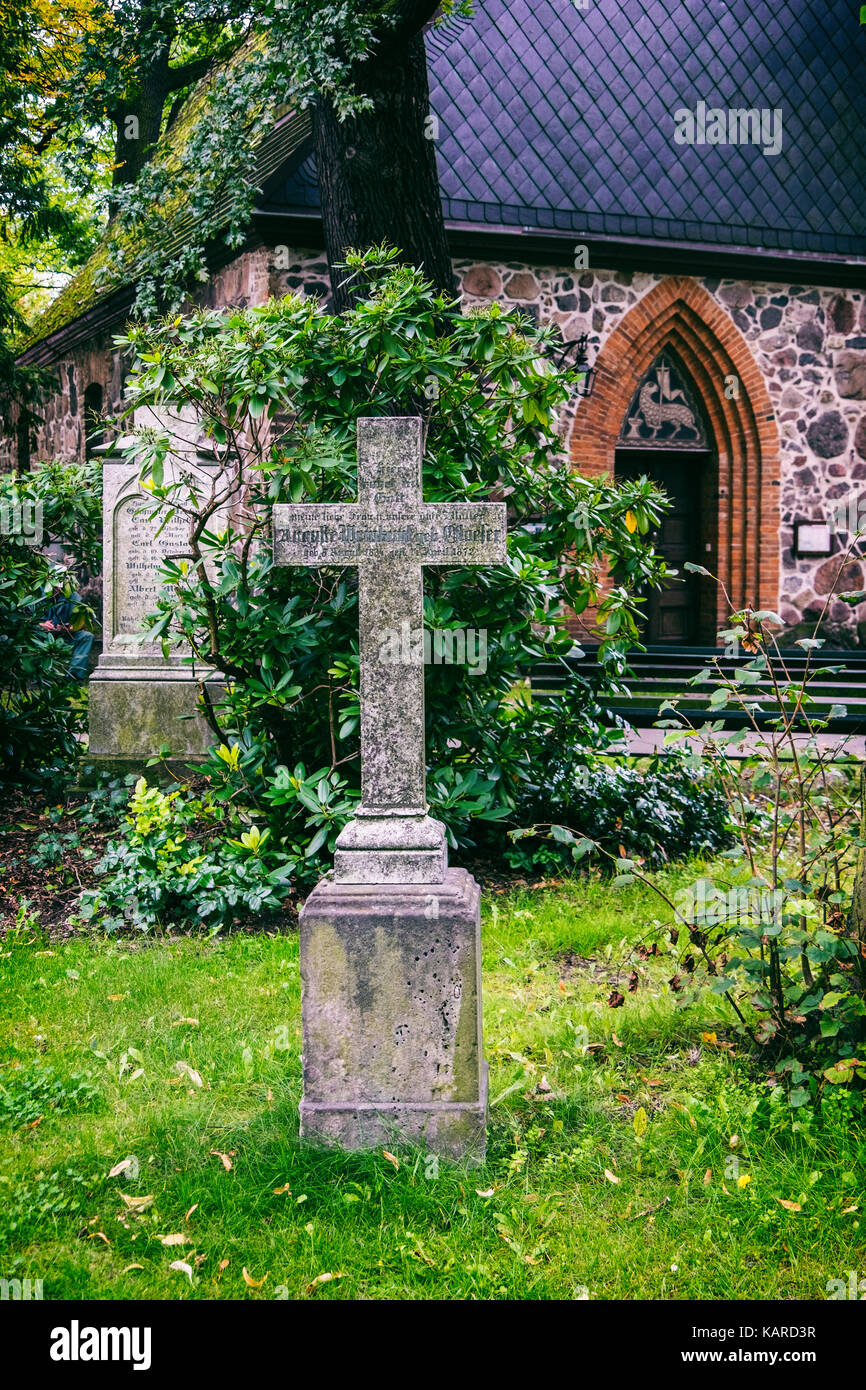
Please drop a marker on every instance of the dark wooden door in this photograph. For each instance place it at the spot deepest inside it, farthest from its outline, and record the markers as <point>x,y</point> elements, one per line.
<point>672,611</point>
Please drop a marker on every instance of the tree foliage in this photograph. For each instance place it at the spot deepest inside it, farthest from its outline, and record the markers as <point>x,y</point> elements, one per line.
<point>44,227</point>
<point>135,72</point>
<point>41,711</point>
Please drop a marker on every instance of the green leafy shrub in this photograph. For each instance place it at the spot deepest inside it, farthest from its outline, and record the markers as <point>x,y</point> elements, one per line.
<point>781,936</point>
<point>185,857</point>
<point>41,706</point>
<point>656,810</point>
<point>278,390</point>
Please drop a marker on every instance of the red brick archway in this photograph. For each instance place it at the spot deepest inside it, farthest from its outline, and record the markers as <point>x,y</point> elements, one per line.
<point>681,315</point>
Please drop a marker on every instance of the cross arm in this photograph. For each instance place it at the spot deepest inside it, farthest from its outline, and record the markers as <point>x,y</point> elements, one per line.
<point>458,533</point>
<point>313,534</point>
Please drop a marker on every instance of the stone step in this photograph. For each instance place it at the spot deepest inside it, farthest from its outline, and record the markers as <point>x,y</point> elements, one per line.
<point>663,673</point>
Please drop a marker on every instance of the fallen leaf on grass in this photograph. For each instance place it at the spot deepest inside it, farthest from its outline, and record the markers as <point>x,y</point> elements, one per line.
<point>182,1267</point>
<point>677,1105</point>
<point>789,1206</point>
<point>708,1177</point>
<point>226,1158</point>
<point>223,1264</point>
<point>252,1283</point>
<point>649,1211</point>
<point>612,1177</point>
<point>34,1123</point>
<point>99,1235</point>
<point>115,998</point>
<point>177,1238</point>
<point>191,1022</point>
<point>616,1040</point>
<point>190,1212</point>
<point>137,1203</point>
<point>391,1158</point>
<point>121,1167</point>
<point>485,1191</point>
<point>184,1069</point>
<point>278,1191</point>
<point>131,1267</point>
<point>323,1279</point>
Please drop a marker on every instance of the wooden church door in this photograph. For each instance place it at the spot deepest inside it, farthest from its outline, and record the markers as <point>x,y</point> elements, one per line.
<point>664,437</point>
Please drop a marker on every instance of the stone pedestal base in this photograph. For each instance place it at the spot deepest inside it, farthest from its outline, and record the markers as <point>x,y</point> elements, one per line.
<point>391,989</point>
<point>395,848</point>
<point>135,712</point>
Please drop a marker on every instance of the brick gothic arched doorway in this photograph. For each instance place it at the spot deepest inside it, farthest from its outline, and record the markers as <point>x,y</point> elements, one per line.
<point>740,491</point>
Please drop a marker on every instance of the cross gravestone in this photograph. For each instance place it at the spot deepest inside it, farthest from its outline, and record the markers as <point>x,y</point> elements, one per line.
<point>391,942</point>
<point>140,701</point>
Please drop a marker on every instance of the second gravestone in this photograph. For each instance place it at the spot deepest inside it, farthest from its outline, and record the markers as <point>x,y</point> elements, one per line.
<point>140,701</point>
<point>391,944</point>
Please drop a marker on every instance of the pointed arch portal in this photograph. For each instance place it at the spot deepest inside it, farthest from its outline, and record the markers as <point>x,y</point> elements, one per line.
<point>734,467</point>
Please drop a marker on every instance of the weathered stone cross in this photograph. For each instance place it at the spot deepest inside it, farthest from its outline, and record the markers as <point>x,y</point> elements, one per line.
<point>389,534</point>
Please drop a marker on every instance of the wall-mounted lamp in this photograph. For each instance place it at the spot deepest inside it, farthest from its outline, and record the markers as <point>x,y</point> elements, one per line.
<point>580,364</point>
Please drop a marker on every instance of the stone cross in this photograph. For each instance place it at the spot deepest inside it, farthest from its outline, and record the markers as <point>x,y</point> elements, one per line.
<point>389,534</point>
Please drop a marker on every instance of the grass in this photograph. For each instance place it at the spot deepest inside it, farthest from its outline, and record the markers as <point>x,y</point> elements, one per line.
<point>107,1041</point>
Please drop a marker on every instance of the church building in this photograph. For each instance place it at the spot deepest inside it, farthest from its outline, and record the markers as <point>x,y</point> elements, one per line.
<point>683,184</point>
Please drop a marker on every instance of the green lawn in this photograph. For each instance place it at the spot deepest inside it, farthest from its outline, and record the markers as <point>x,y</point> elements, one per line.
<point>542,1219</point>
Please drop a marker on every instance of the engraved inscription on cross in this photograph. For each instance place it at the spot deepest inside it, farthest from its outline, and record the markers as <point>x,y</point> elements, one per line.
<point>389,534</point>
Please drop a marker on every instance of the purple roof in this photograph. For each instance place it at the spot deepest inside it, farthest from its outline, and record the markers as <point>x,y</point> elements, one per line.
<point>560,119</point>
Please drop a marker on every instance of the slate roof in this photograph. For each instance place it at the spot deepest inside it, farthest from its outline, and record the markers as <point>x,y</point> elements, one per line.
<point>560,119</point>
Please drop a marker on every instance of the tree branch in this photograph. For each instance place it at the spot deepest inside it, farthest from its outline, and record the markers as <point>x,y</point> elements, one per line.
<point>190,72</point>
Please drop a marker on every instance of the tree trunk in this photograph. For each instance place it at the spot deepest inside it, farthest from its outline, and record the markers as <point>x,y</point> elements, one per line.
<point>137,125</point>
<point>377,172</point>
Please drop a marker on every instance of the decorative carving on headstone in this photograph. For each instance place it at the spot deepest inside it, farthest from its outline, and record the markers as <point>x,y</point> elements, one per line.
<point>664,412</point>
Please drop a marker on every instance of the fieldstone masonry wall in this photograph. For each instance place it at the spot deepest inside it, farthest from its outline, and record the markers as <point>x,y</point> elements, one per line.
<point>63,431</point>
<point>809,343</point>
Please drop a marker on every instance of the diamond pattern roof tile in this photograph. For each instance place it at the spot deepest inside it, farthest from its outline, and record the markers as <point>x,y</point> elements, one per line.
<point>554,117</point>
